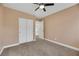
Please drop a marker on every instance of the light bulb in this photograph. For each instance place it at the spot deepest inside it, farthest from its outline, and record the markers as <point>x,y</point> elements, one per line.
<point>41,6</point>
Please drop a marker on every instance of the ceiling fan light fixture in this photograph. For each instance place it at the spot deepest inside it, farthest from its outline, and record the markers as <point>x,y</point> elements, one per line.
<point>42,6</point>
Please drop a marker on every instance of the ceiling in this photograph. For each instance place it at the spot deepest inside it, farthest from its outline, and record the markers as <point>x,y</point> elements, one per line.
<point>29,8</point>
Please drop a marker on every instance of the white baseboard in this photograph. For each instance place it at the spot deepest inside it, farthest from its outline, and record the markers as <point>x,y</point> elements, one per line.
<point>65,45</point>
<point>8,47</point>
<point>1,50</point>
<point>11,46</point>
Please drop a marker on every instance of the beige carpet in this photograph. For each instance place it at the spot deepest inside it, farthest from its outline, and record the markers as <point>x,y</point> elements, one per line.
<point>39,48</point>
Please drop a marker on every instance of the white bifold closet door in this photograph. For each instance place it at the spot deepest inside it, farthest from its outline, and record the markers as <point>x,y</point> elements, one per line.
<point>25,30</point>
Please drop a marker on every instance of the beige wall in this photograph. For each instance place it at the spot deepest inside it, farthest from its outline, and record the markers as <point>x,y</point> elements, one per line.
<point>1,26</point>
<point>64,26</point>
<point>9,28</point>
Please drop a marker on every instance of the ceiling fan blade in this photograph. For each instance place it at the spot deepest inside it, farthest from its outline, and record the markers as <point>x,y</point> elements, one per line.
<point>36,8</point>
<point>36,3</point>
<point>44,9</point>
<point>49,4</point>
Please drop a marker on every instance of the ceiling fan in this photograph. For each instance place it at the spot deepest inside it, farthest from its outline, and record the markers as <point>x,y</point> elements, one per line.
<point>43,5</point>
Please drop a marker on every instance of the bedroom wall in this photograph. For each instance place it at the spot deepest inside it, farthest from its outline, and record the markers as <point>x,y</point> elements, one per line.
<point>9,27</point>
<point>63,26</point>
<point>1,26</point>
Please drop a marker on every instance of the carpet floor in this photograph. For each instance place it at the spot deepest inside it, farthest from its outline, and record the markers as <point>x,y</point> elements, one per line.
<point>39,48</point>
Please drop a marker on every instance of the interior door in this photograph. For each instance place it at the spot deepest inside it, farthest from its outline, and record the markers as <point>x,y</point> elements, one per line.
<point>25,30</point>
<point>39,29</point>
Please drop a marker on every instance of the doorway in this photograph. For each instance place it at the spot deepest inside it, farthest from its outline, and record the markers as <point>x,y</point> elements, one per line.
<point>39,29</point>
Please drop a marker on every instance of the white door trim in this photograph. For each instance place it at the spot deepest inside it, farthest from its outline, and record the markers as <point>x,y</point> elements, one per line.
<point>62,44</point>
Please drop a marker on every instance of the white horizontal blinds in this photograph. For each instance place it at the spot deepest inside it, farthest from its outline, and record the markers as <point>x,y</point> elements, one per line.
<point>25,30</point>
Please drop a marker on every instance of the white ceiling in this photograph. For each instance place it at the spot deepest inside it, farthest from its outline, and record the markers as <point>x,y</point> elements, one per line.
<point>29,8</point>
